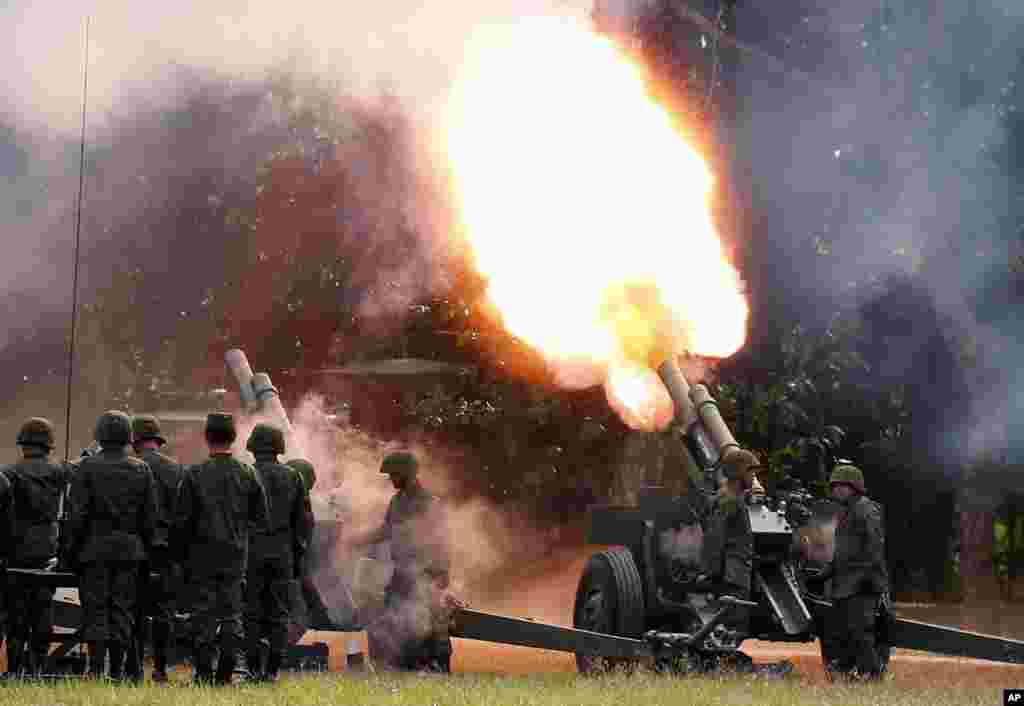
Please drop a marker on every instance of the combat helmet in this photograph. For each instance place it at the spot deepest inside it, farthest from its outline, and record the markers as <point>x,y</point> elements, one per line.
<point>114,428</point>
<point>305,469</point>
<point>38,432</point>
<point>265,439</point>
<point>400,463</point>
<point>146,427</point>
<point>846,472</point>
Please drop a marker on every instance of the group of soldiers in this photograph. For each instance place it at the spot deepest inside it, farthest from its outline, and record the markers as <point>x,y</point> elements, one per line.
<point>857,574</point>
<point>226,540</point>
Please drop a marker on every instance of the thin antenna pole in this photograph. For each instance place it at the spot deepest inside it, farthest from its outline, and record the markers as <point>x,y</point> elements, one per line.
<point>78,242</point>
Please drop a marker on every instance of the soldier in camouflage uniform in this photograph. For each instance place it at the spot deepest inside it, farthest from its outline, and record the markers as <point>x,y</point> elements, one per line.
<point>37,487</point>
<point>5,548</point>
<point>160,597</point>
<point>727,554</point>
<point>310,595</point>
<point>275,554</point>
<point>413,632</point>
<point>114,524</point>
<point>218,501</point>
<point>859,579</point>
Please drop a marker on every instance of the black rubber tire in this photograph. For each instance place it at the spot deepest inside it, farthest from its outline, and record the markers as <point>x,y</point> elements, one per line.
<point>609,599</point>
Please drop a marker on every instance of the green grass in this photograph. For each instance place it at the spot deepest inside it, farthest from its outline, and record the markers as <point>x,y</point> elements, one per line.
<point>485,690</point>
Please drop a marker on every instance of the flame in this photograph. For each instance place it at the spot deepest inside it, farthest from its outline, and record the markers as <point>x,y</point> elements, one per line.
<point>585,210</point>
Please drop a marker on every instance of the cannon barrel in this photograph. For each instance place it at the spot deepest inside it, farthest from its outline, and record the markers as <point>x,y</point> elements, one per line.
<point>257,391</point>
<point>696,413</point>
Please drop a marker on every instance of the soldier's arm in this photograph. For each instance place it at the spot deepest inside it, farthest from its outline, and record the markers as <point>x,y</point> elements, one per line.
<point>874,534</point>
<point>302,514</point>
<point>152,523</point>
<point>182,526</point>
<point>77,519</point>
<point>259,510</point>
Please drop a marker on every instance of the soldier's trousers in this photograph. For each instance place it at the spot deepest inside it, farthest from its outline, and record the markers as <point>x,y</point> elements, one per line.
<point>216,620</point>
<point>30,611</point>
<point>268,595</point>
<point>849,640</point>
<point>412,632</point>
<point>109,594</point>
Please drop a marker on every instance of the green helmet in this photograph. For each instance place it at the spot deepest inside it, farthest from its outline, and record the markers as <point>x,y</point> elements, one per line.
<point>266,439</point>
<point>305,469</point>
<point>114,428</point>
<point>146,427</point>
<point>851,475</point>
<point>221,426</point>
<point>400,462</point>
<point>36,431</point>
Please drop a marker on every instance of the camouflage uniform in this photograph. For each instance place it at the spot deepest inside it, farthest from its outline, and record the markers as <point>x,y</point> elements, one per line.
<point>413,632</point>
<point>311,602</point>
<point>859,581</point>
<point>37,486</point>
<point>274,553</point>
<point>218,501</point>
<point>728,551</point>
<point>159,598</point>
<point>114,524</point>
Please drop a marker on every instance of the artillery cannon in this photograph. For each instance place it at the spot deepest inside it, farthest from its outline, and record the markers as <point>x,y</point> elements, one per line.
<point>635,602</point>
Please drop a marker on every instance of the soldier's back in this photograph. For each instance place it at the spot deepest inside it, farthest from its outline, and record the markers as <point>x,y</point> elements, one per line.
<point>37,485</point>
<point>219,494</point>
<point>285,492</point>
<point>113,506</point>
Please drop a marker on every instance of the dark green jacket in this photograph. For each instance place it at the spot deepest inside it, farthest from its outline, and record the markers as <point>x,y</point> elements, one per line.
<point>285,537</point>
<point>114,513</point>
<point>218,501</point>
<point>37,486</point>
<point>858,565</point>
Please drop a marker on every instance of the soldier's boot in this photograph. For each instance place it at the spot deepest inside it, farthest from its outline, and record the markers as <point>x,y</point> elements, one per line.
<point>97,659</point>
<point>161,651</point>
<point>254,663</point>
<point>226,666</point>
<point>203,665</point>
<point>274,660</point>
<point>117,661</point>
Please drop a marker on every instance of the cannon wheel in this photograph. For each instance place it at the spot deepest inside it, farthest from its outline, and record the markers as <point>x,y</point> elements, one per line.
<point>609,600</point>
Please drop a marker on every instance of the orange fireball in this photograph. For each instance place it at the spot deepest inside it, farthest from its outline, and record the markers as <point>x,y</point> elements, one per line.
<point>586,212</point>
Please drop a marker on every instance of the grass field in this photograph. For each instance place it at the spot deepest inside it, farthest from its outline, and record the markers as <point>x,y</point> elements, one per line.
<point>488,690</point>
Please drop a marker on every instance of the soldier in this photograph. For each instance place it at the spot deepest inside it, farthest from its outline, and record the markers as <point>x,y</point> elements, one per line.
<point>159,598</point>
<point>114,524</point>
<point>37,487</point>
<point>275,552</point>
<point>317,611</point>
<point>859,579</point>
<point>5,547</point>
<point>218,501</point>
<point>728,550</point>
<point>413,632</point>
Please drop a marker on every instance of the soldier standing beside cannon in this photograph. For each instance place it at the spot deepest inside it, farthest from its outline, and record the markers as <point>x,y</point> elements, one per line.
<point>859,579</point>
<point>219,500</point>
<point>114,524</point>
<point>37,486</point>
<point>276,553</point>
<point>412,632</point>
